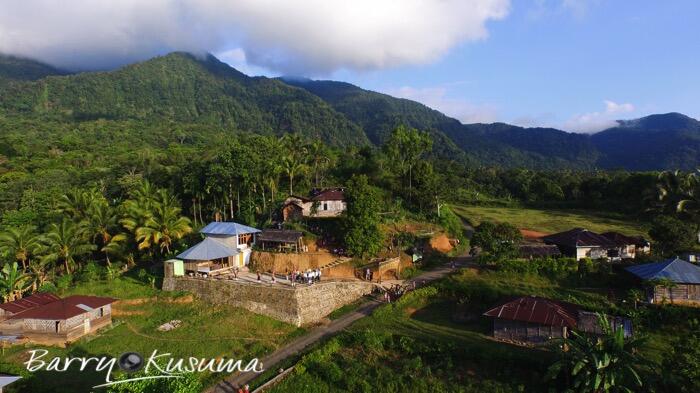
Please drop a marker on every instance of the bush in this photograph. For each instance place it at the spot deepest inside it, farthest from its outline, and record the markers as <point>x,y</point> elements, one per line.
<point>64,282</point>
<point>91,272</point>
<point>47,287</point>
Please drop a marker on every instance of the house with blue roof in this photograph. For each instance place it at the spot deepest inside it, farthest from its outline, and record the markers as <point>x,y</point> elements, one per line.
<point>225,245</point>
<point>673,280</point>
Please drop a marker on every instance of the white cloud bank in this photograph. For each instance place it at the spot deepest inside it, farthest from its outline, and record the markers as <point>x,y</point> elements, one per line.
<point>291,36</point>
<point>592,122</point>
<point>437,98</point>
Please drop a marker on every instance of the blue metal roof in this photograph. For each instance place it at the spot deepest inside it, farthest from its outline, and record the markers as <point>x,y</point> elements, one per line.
<point>208,249</point>
<point>227,228</point>
<point>676,270</point>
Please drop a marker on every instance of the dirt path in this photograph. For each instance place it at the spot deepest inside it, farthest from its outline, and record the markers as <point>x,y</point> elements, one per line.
<point>233,382</point>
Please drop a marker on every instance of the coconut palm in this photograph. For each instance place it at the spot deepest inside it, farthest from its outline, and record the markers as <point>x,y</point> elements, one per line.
<point>13,282</point>
<point>163,226</point>
<point>320,158</point>
<point>101,224</point>
<point>19,243</point>
<point>605,363</point>
<point>65,241</point>
<point>76,203</point>
<point>292,167</point>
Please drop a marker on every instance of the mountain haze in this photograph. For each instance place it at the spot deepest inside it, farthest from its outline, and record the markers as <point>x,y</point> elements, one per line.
<point>182,88</point>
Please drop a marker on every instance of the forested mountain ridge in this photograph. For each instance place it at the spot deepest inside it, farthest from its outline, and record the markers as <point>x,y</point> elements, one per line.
<point>669,141</point>
<point>19,69</point>
<point>182,89</point>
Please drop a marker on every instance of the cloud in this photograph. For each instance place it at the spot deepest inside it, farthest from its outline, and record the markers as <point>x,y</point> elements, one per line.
<point>545,8</point>
<point>597,121</point>
<point>437,98</point>
<point>291,36</point>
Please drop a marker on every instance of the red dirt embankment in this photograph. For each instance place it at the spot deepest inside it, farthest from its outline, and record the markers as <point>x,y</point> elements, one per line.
<point>529,234</point>
<point>441,243</point>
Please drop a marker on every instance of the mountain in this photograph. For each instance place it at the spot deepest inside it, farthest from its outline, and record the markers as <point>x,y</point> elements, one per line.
<point>485,144</point>
<point>180,88</point>
<point>20,69</point>
<point>667,141</point>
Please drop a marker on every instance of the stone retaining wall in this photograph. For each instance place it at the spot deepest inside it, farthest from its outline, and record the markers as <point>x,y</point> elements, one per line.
<point>298,306</point>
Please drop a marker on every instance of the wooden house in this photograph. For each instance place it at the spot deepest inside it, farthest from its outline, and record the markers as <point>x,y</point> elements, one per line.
<point>531,319</point>
<point>629,247</point>
<point>321,203</point>
<point>60,321</point>
<point>581,243</point>
<point>682,281</point>
<point>281,240</point>
<point>225,245</point>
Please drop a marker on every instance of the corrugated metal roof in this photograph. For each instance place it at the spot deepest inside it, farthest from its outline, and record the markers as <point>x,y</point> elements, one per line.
<point>331,194</point>
<point>578,237</point>
<point>64,308</point>
<point>537,310</point>
<point>676,270</point>
<point>280,236</point>
<point>207,250</point>
<point>227,228</point>
<point>29,302</point>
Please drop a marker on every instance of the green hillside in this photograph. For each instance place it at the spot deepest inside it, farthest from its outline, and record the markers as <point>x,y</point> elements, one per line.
<point>181,88</point>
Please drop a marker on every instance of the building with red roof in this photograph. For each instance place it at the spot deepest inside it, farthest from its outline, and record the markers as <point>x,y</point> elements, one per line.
<point>533,319</point>
<point>329,202</point>
<point>57,320</point>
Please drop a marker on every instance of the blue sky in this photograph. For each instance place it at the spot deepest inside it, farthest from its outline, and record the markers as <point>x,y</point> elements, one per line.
<point>572,64</point>
<point>556,63</point>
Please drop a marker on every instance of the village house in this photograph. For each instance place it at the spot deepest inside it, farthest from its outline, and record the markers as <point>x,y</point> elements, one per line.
<point>282,240</point>
<point>673,280</point>
<point>226,245</point>
<point>321,203</point>
<point>58,321</point>
<point>581,243</point>
<point>531,319</point>
<point>629,246</point>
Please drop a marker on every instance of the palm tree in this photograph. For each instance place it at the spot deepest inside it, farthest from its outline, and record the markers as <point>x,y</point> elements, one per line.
<point>66,241</point>
<point>114,246</point>
<point>605,363</point>
<point>76,203</point>
<point>100,224</point>
<point>320,158</point>
<point>164,224</point>
<point>20,243</point>
<point>13,282</point>
<point>292,167</point>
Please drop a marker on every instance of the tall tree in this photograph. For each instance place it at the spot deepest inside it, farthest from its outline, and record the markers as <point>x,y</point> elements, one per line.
<point>66,241</point>
<point>363,234</point>
<point>164,225</point>
<point>404,148</point>
<point>20,243</point>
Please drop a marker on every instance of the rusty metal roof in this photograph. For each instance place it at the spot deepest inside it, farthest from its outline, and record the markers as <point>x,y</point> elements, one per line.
<point>65,308</point>
<point>29,302</point>
<point>537,310</point>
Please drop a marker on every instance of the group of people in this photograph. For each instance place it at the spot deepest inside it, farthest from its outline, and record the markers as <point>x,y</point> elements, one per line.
<point>310,276</point>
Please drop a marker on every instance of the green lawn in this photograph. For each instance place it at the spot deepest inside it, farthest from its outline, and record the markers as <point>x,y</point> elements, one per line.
<point>551,221</point>
<point>207,330</point>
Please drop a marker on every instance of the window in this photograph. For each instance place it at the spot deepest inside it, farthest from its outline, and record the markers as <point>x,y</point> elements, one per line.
<point>325,206</point>
<point>101,313</point>
<point>58,325</point>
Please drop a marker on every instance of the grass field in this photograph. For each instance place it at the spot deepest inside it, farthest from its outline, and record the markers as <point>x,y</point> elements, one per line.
<point>207,330</point>
<point>551,221</point>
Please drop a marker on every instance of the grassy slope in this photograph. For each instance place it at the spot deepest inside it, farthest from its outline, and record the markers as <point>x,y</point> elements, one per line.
<point>550,221</point>
<point>207,331</point>
<point>443,354</point>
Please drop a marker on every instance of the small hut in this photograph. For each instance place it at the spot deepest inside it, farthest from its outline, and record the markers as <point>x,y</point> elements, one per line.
<point>673,280</point>
<point>281,240</point>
